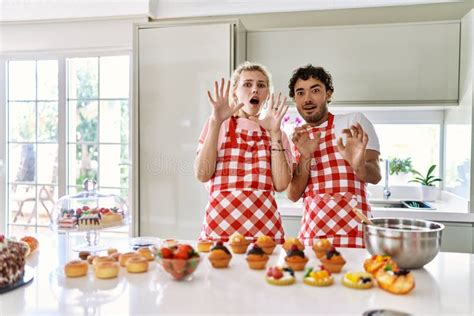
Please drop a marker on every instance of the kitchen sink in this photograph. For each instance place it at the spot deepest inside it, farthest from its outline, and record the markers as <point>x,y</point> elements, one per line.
<point>408,204</point>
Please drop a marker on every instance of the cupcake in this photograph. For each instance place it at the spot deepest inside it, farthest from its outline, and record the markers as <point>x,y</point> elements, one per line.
<point>204,245</point>
<point>377,262</point>
<point>295,259</point>
<point>358,280</point>
<point>333,261</point>
<point>219,256</point>
<point>280,276</point>
<point>315,277</point>
<point>321,247</point>
<point>266,243</point>
<point>293,241</point>
<point>238,243</point>
<point>257,258</point>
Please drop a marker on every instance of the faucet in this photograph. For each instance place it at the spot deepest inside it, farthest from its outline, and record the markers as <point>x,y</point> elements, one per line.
<point>386,190</point>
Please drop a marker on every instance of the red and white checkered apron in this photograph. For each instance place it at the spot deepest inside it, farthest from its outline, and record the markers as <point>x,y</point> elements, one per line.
<point>241,190</point>
<point>332,192</point>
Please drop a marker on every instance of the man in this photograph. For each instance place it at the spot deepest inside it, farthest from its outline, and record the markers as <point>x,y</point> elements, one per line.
<point>336,156</point>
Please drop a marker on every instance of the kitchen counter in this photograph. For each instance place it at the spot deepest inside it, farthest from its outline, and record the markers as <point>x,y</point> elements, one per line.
<point>444,286</point>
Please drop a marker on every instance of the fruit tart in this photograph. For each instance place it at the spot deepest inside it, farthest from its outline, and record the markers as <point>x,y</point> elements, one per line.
<point>280,276</point>
<point>333,261</point>
<point>395,281</point>
<point>296,259</point>
<point>238,243</point>
<point>377,262</point>
<point>315,277</point>
<point>257,258</point>
<point>220,256</point>
<point>358,280</point>
<point>321,247</point>
<point>292,241</point>
<point>266,243</point>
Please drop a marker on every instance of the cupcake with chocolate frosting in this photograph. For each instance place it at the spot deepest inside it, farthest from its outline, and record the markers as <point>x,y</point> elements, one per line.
<point>220,256</point>
<point>296,259</point>
<point>257,258</point>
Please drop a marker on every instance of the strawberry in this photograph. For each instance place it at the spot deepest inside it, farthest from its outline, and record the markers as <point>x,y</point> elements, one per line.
<point>270,272</point>
<point>185,248</point>
<point>85,208</point>
<point>181,255</point>
<point>277,274</point>
<point>2,238</point>
<point>166,253</point>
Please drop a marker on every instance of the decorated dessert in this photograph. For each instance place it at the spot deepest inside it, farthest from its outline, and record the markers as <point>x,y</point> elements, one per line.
<point>333,261</point>
<point>292,241</point>
<point>179,262</point>
<point>377,262</point>
<point>146,253</point>
<point>358,280</point>
<point>257,258</point>
<point>266,243</point>
<point>321,247</point>
<point>296,259</point>
<point>32,242</point>
<point>12,261</point>
<point>238,243</point>
<point>204,245</point>
<point>395,280</point>
<point>220,256</point>
<point>315,277</point>
<point>280,276</point>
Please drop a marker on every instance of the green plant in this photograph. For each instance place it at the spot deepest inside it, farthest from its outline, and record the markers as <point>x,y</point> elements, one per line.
<point>400,166</point>
<point>427,180</point>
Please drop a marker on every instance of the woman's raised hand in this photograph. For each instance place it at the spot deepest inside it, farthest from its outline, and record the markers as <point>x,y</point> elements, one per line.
<point>221,109</point>
<point>274,115</point>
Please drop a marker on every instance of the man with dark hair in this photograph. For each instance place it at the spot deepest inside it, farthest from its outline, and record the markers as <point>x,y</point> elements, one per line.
<point>336,156</point>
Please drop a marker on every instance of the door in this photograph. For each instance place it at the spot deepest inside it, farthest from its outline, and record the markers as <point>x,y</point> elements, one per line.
<point>175,66</point>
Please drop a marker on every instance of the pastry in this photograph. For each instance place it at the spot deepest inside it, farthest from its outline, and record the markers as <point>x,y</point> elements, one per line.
<point>395,281</point>
<point>12,261</point>
<point>318,277</point>
<point>98,259</point>
<point>146,253</point>
<point>116,256</point>
<point>333,261</point>
<point>111,251</point>
<point>257,258</point>
<point>204,245</point>
<point>76,268</point>
<point>27,248</point>
<point>358,280</point>
<point>106,270</point>
<point>295,259</point>
<point>170,243</point>
<point>137,265</point>
<point>32,242</point>
<point>377,262</point>
<point>280,276</point>
<point>266,243</point>
<point>89,221</point>
<point>238,243</point>
<point>90,258</point>
<point>125,256</point>
<point>292,241</point>
<point>219,256</point>
<point>84,254</point>
<point>112,219</point>
<point>321,247</point>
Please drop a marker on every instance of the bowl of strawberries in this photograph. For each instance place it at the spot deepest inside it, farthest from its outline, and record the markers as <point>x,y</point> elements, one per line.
<point>179,261</point>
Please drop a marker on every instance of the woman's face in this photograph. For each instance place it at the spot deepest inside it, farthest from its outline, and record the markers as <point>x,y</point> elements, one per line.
<point>252,90</point>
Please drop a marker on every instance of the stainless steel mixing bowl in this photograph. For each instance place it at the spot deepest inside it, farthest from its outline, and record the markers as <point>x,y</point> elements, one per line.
<point>412,243</point>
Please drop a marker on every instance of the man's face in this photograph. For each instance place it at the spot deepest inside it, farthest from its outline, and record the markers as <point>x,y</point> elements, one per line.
<point>252,90</point>
<point>311,100</point>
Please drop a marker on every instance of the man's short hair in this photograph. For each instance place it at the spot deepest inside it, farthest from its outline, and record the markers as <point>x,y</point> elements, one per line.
<point>304,73</point>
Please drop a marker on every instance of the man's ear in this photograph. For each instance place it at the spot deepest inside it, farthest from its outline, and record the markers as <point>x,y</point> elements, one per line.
<point>328,94</point>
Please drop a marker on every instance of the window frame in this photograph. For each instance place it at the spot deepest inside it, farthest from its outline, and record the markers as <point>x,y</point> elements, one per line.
<point>61,57</point>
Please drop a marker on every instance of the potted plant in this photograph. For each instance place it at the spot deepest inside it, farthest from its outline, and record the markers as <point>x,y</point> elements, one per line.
<point>428,190</point>
<point>400,168</point>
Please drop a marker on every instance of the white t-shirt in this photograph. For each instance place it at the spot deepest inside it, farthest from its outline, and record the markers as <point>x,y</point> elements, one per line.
<point>342,121</point>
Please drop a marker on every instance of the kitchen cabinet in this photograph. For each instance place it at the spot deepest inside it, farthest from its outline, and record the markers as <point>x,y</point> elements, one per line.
<point>370,64</point>
<point>457,237</point>
<point>175,64</point>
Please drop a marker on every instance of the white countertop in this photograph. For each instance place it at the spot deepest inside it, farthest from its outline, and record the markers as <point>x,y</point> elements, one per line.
<point>445,286</point>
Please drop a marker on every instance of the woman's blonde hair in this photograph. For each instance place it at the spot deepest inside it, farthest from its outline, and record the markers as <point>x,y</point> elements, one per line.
<point>249,66</point>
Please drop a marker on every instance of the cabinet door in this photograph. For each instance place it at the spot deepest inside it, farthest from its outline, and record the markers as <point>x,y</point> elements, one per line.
<point>176,65</point>
<point>369,64</point>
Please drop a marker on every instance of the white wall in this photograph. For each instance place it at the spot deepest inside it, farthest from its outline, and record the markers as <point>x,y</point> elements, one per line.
<point>67,35</point>
<point>458,149</point>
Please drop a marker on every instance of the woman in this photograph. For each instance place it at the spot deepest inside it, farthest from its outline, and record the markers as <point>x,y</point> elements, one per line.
<point>244,159</point>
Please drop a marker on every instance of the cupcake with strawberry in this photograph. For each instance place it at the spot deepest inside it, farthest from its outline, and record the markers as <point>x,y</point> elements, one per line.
<point>280,276</point>
<point>220,256</point>
<point>333,261</point>
<point>296,259</point>
<point>321,247</point>
<point>257,258</point>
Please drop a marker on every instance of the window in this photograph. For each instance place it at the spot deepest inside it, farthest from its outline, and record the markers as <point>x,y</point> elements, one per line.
<point>93,133</point>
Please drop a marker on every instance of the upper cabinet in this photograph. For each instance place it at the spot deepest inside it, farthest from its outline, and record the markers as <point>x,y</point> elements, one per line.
<point>370,64</point>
